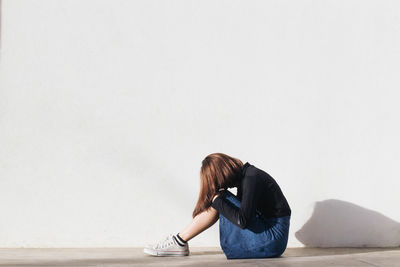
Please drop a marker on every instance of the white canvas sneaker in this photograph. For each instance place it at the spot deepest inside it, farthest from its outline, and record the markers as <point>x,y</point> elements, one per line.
<point>167,247</point>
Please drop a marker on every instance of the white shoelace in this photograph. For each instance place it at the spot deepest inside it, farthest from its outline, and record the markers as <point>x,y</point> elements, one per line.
<point>165,242</point>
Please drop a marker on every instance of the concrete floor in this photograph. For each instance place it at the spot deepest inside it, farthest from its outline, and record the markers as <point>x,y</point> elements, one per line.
<point>199,256</point>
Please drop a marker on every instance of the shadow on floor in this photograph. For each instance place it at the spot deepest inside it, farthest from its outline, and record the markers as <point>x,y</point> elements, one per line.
<point>337,223</point>
<point>313,252</point>
<point>206,252</point>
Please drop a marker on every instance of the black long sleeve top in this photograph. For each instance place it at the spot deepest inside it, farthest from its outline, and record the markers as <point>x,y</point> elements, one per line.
<point>258,192</point>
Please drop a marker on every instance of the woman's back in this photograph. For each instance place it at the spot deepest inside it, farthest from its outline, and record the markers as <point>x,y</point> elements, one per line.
<point>270,201</point>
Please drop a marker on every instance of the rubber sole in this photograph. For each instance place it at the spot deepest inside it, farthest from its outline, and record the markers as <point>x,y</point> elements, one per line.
<point>153,252</point>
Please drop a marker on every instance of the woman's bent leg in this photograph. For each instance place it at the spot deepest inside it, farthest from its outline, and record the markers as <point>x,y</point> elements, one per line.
<point>261,239</point>
<point>199,223</point>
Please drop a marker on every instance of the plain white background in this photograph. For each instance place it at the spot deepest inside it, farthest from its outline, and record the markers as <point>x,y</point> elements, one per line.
<point>108,107</point>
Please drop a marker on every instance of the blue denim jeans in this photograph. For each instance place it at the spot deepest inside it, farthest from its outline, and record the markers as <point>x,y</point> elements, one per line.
<point>262,238</point>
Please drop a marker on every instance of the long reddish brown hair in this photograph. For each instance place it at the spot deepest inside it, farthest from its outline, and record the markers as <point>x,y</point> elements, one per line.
<point>217,171</point>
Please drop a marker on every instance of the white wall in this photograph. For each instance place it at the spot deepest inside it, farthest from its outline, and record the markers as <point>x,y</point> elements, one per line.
<point>108,107</point>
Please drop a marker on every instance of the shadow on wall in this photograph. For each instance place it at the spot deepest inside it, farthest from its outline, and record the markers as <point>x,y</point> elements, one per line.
<point>336,223</point>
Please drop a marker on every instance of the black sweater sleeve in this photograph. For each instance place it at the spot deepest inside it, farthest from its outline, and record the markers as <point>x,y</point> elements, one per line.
<point>240,216</point>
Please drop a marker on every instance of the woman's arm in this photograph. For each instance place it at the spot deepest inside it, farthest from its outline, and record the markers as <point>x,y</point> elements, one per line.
<point>241,216</point>
<point>218,194</point>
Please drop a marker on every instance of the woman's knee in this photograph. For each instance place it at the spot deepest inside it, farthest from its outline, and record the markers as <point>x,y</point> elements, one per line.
<point>229,196</point>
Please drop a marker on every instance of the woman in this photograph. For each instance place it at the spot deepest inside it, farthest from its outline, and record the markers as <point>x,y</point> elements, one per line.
<point>252,224</point>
